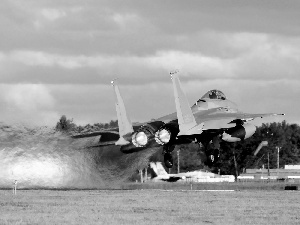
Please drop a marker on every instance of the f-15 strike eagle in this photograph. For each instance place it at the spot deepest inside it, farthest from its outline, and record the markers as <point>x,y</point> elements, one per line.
<point>212,118</point>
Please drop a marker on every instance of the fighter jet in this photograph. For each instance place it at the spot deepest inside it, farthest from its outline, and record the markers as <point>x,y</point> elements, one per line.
<point>160,174</point>
<point>213,118</point>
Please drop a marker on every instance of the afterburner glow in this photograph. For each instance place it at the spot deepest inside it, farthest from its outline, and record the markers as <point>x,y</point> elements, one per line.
<point>162,136</point>
<point>140,139</point>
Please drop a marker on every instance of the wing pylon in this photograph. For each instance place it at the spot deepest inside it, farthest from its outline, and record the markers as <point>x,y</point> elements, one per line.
<point>124,123</point>
<point>186,119</point>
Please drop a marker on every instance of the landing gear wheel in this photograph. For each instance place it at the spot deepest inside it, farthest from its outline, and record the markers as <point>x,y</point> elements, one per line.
<point>168,160</point>
<point>213,156</point>
<point>216,154</point>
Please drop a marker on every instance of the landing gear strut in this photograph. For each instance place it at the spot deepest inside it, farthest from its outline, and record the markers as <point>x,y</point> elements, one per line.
<point>168,158</point>
<point>215,155</point>
<point>212,152</point>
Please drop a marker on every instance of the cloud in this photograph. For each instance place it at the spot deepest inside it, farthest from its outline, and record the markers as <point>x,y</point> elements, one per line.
<point>29,97</point>
<point>52,14</point>
<point>29,103</point>
<point>247,56</point>
<point>127,21</point>
<point>37,58</point>
<point>75,48</point>
<point>45,15</point>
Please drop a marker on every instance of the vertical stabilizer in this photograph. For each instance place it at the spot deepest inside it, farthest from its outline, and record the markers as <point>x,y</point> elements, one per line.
<point>124,123</point>
<point>186,119</point>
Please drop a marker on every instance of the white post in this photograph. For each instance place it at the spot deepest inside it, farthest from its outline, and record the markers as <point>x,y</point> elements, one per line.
<point>15,187</point>
<point>141,175</point>
<point>278,157</point>
<point>146,174</point>
<point>178,161</point>
<point>277,161</point>
<point>268,166</point>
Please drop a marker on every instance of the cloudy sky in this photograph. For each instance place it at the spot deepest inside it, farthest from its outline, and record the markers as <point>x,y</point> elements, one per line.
<point>58,57</point>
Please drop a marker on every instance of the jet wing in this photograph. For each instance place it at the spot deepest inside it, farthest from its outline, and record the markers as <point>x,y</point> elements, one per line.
<point>225,118</point>
<point>106,137</point>
<point>248,117</point>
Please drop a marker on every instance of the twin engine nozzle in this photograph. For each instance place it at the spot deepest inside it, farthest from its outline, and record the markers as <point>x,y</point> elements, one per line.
<point>160,132</point>
<point>163,136</point>
<point>165,133</point>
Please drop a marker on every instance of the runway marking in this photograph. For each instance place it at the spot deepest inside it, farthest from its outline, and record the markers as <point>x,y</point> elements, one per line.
<point>184,190</point>
<point>200,190</point>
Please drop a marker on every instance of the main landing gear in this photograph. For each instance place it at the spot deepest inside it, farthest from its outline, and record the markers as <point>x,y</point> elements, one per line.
<point>168,158</point>
<point>213,156</point>
<point>212,151</point>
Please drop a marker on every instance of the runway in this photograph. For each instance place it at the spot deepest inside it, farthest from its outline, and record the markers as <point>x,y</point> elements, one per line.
<point>149,207</point>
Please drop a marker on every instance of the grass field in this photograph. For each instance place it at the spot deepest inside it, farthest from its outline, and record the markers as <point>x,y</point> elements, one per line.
<point>149,207</point>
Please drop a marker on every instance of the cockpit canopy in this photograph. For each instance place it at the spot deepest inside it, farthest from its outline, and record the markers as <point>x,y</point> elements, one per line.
<point>212,94</point>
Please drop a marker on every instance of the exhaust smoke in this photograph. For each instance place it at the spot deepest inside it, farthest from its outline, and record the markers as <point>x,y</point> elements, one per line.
<point>44,158</point>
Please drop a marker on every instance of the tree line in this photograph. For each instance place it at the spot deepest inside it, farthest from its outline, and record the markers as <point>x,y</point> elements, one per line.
<point>234,157</point>
<point>69,127</point>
